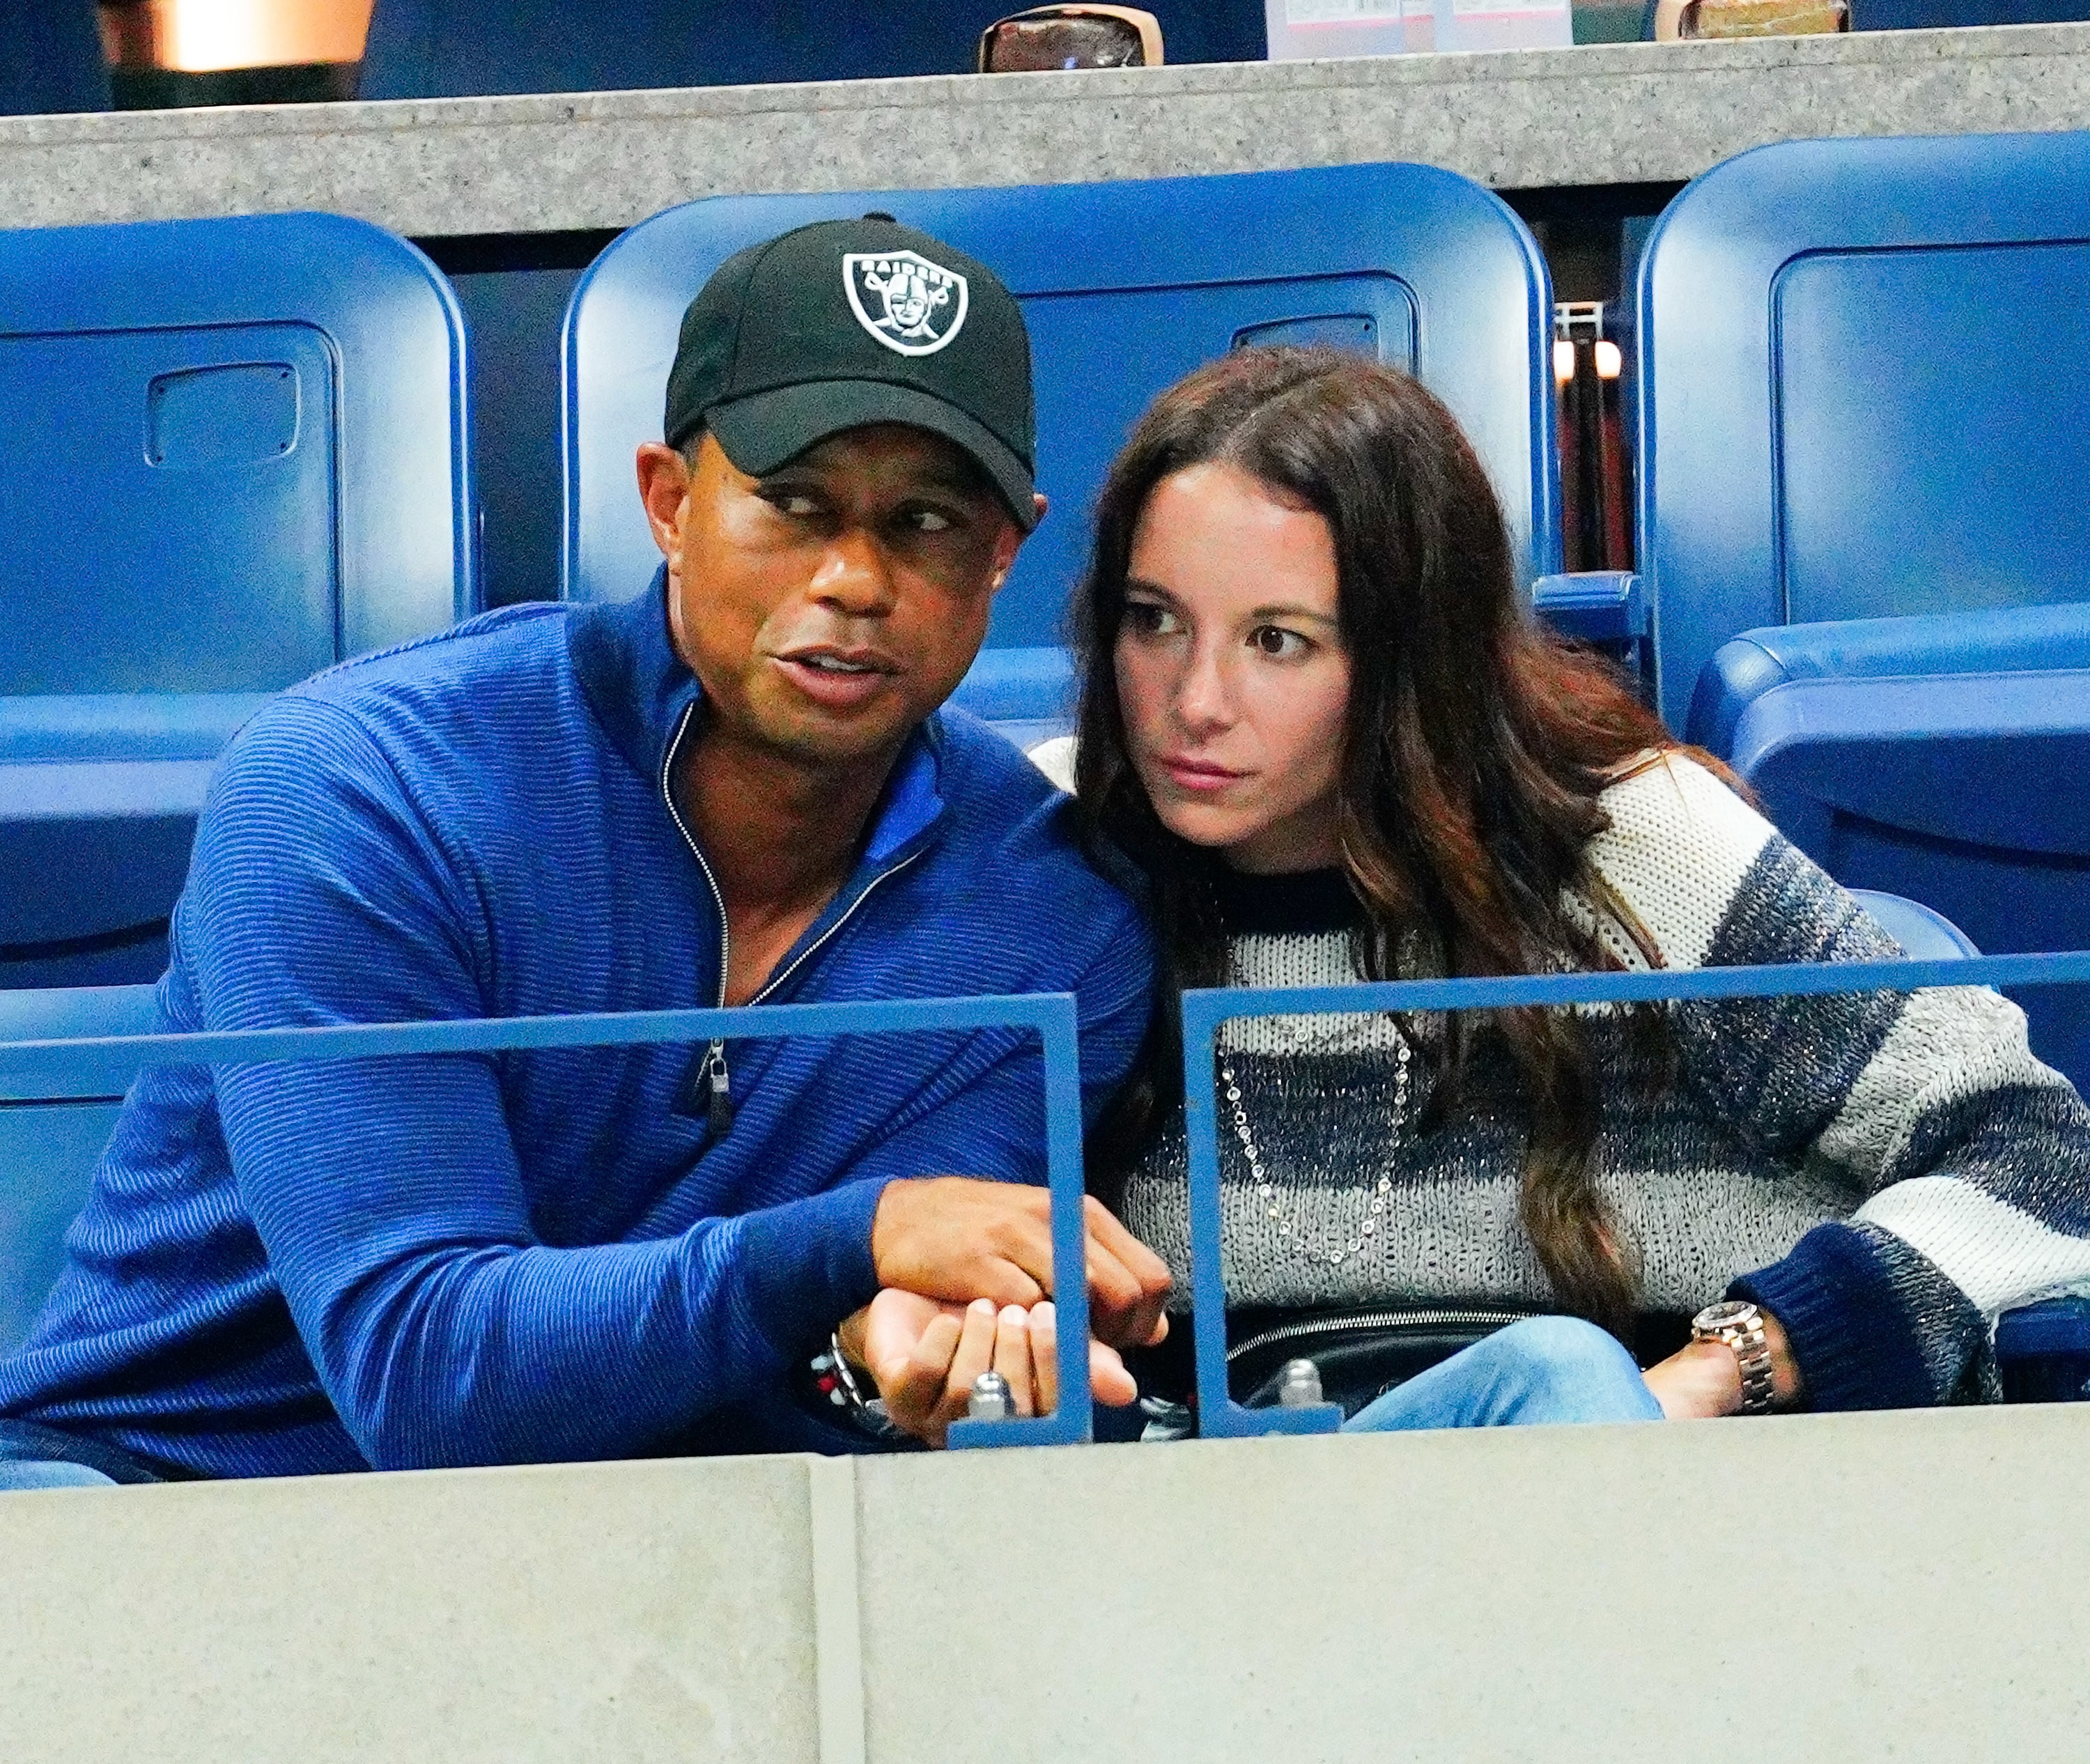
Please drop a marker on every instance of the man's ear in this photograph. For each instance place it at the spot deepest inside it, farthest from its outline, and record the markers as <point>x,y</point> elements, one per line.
<point>1012,540</point>
<point>663,485</point>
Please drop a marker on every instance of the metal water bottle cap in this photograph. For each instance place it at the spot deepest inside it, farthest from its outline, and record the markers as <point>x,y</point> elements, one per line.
<point>990,1400</point>
<point>1298,1385</point>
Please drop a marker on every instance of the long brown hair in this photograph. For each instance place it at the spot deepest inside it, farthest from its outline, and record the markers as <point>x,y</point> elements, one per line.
<point>1475,747</point>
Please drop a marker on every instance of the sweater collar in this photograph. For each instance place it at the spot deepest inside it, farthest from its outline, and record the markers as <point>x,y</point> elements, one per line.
<point>641,690</point>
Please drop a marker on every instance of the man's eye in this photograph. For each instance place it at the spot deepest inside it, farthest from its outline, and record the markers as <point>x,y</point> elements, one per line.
<point>797,507</point>
<point>1278,643</point>
<point>930,521</point>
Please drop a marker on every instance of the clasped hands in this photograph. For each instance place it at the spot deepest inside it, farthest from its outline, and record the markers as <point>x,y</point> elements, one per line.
<point>965,1270</point>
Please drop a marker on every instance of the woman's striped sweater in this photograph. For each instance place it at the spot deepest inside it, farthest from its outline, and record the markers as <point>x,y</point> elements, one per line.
<point>1885,1173</point>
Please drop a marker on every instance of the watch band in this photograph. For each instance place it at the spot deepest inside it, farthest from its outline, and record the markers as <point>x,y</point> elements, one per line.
<point>1739,1326</point>
<point>834,1378</point>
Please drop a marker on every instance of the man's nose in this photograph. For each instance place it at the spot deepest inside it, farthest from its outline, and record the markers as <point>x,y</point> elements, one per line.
<point>854,576</point>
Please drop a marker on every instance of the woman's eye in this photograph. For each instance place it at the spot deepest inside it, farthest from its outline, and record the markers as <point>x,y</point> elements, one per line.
<point>1149,620</point>
<point>1277,642</point>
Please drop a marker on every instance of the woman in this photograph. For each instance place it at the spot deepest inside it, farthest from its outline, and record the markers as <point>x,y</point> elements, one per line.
<point>1319,719</point>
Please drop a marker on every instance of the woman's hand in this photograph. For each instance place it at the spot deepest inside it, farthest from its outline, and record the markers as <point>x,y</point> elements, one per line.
<point>1703,1380</point>
<point>924,1355</point>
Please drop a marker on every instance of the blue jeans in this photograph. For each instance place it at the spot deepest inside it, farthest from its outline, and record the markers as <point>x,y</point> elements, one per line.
<point>1542,1371</point>
<point>33,1456</point>
<point>16,1477</point>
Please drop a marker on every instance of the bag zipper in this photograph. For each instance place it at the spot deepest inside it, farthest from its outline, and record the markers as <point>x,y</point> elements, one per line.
<point>1374,1319</point>
<point>719,1114</point>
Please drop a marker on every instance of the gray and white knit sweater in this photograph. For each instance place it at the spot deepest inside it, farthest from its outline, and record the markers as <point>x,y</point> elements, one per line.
<point>1885,1173</point>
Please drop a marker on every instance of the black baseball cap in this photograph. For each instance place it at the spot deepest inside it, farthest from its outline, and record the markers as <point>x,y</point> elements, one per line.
<point>844,323</point>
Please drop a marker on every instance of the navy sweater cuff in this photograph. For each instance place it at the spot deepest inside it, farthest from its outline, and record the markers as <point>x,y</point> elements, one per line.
<point>807,1263</point>
<point>1854,1343</point>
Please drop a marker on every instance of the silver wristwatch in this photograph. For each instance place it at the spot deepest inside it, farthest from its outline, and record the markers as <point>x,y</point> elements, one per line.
<point>1739,1325</point>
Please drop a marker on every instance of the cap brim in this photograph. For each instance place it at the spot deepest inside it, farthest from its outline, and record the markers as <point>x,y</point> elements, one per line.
<point>767,429</point>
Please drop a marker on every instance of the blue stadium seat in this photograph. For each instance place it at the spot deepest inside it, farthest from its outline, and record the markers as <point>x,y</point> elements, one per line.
<point>51,1136</point>
<point>433,48</point>
<point>1126,287</point>
<point>51,58</point>
<point>1943,14</point>
<point>235,455</point>
<point>1925,934</point>
<point>1863,387</point>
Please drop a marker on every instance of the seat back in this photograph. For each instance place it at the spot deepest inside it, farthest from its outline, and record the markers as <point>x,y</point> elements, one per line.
<point>1864,388</point>
<point>1125,287</point>
<point>51,58</point>
<point>235,453</point>
<point>1943,14</point>
<point>429,49</point>
<point>52,1135</point>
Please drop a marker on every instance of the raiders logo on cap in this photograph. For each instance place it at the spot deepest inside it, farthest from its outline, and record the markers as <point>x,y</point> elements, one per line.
<point>911,305</point>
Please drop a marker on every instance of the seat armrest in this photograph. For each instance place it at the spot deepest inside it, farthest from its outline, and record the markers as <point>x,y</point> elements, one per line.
<point>1989,759</point>
<point>131,727</point>
<point>1999,640</point>
<point>1597,606</point>
<point>2043,1351</point>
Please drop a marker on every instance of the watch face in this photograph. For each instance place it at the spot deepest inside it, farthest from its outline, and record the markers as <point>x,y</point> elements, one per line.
<point>1729,1314</point>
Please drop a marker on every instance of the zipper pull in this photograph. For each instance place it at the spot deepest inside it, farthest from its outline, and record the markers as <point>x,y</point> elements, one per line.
<point>719,1118</point>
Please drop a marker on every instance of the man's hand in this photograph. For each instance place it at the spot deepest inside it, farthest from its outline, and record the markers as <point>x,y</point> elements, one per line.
<point>924,1355</point>
<point>1703,1380</point>
<point>955,1238</point>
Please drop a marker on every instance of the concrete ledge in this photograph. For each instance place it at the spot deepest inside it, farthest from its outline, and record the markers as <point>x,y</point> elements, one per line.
<point>1812,1587</point>
<point>1628,113</point>
<point>616,1614</point>
<point>1831,1587</point>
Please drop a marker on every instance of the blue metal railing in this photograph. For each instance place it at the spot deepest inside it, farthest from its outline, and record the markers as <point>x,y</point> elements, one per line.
<point>89,1067</point>
<point>1219,1415</point>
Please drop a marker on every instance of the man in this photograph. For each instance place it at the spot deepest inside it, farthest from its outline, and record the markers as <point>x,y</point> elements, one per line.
<point>737,789</point>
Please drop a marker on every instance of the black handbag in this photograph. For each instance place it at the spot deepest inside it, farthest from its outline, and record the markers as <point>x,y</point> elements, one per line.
<point>1360,1354</point>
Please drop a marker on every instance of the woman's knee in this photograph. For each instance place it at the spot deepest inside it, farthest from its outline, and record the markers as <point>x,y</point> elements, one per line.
<point>1565,1364</point>
<point>17,1477</point>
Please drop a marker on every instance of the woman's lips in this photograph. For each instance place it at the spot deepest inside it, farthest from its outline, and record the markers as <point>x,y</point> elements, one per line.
<point>1199,776</point>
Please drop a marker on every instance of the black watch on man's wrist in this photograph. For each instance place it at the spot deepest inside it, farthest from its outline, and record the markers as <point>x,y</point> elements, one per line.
<point>838,1389</point>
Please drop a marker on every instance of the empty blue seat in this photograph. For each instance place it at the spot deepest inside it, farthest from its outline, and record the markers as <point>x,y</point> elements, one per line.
<point>2043,1352</point>
<point>51,58</point>
<point>429,49</point>
<point>1126,287</point>
<point>1942,15</point>
<point>235,455</point>
<point>51,1135</point>
<point>1864,385</point>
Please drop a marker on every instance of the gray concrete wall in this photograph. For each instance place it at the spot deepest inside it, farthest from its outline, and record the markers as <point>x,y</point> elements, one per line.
<point>1532,119</point>
<point>626,1614</point>
<point>1907,1585</point>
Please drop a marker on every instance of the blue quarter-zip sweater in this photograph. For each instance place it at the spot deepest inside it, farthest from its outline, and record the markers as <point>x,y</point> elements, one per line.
<point>524,1257</point>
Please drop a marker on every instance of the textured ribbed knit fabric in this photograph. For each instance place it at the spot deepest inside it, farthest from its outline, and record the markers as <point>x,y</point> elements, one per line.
<point>536,1256</point>
<point>1884,1172</point>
